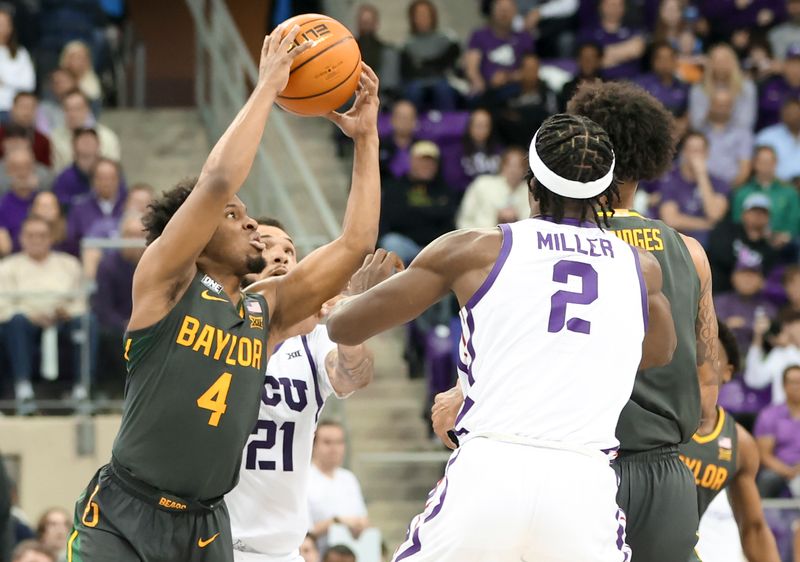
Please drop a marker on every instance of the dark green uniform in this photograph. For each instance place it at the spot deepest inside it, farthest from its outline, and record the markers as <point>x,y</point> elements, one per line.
<point>191,399</point>
<point>712,459</point>
<point>656,490</point>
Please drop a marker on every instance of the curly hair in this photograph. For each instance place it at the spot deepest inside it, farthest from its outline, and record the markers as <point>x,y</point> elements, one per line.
<point>575,148</point>
<point>639,126</point>
<point>160,211</point>
<point>728,341</point>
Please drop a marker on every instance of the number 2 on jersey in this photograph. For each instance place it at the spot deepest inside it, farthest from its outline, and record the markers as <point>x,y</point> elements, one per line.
<point>560,299</point>
<point>214,398</point>
<point>268,443</point>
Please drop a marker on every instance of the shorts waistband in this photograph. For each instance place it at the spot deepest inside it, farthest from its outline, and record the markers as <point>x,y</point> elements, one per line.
<point>556,445</point>
<point>651,454</point>
<point>158,498</point>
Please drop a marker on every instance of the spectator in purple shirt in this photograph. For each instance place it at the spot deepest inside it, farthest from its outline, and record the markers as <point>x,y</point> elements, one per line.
<point>100,210</point>
<point>478,154</point>
<point>590,65</point>
<point>735,21</point>
<point>665,86</point>
<point>723,72</point>
<point>777,432</point>
<point>73,182</point>
<point>776,91</point>
<point>15,204</point>
<point>111,302</point>
<point>394,151</point>
<point>623,47</point>
<point>730,145</point>
<point>739,308</point>
<point>692,200</point>
<point>494,52</point>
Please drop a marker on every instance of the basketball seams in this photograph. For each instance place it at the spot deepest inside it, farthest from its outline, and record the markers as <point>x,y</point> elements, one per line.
<point>322,52</point>
<point>358,64</point>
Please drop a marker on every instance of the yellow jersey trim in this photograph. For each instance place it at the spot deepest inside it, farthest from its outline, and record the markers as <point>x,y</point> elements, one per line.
<point>703,439</point>
<point>622,213</point>
<point>69,545</point>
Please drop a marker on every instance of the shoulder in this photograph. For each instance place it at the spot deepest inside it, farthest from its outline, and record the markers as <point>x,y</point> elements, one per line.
<point>747,451</point>
<point>453,250</point>
<point>478,36</point>
<point>66,260</point>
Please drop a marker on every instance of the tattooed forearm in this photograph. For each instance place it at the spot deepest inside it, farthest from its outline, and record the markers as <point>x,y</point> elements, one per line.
<point>350,368</point>
<point>707,331</point>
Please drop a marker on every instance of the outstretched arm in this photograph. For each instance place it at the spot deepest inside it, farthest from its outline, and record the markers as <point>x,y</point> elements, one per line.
<point>170,260</point>
<point>323,274</point>
<point>707,333</point>
<point>403,297</point>
<point>757,539</point>
<point>660,340</point>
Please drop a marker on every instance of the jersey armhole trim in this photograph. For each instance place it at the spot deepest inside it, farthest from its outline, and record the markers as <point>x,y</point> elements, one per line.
<point>505,249</point>
<point>314,375</point>
<point>642,287</point>
<point>703,439</point>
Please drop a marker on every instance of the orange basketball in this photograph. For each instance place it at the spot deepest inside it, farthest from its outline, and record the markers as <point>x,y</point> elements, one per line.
<point>325,76</point>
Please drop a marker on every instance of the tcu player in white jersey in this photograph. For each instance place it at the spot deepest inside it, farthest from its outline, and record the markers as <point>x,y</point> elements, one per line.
<point>557,316</point>
<point>269,505</point>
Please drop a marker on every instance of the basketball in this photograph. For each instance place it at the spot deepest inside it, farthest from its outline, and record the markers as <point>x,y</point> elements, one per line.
<point>325,76</point>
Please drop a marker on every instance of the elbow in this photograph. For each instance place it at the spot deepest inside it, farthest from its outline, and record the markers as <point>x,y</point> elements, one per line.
<point>340,332</point>
<point>359,244</point>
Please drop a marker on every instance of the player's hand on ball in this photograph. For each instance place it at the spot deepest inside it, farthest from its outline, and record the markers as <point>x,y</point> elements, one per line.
<point>444,412</point>
<point>377,267</point>
<point>276,57</point>
<point>361,120</point>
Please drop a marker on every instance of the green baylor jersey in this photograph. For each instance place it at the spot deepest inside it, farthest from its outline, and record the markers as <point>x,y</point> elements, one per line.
<point>192,392</point>
<point>664,408</point>
<point>712,459</point>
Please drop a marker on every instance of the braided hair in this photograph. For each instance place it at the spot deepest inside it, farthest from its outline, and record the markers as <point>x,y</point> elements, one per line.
<point>576,148</point>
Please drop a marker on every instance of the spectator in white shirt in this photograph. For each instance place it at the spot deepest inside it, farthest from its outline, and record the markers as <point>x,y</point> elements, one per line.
<point>78,115</point>
<point>764,370</point>
<point>334,494</point>
<point>494,199</point>
<point>16,68</point>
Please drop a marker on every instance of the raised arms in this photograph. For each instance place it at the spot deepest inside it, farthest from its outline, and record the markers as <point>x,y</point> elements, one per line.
<point>169,262</point>
<point>324,273</point>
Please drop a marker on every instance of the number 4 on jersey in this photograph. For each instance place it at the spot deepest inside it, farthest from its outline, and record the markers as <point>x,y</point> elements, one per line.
<point>214,398</point>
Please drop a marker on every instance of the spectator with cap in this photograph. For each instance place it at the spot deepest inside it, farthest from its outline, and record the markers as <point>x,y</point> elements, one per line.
<point>663,83</point>
<point>783,35</point>
<point>74,181</point>
<point>784,199</point>
<point>16,138</point>
<point>478,153</point>
<point>51,112</point>
<point>777,90</point>
<point>78,115</point>
<point>723,72</point>
<point>738,308</point>
<point>494,199</point>
<point>426,59</point>
<point>784,138</point>
<point>494,52</point>
<point>23,115</point>
<point>730,144</point>
<point>729,242</point>
<point>777,433</point>
<point>418,207</point>
<point>15,204</point>
<point>52,281</point>
<point>530,102</point>
<point>99,211</point>
<point>623,46</point>
<point>16,67</point>
<point>693,200</point>
<point>394,148</point>
<point>766,369</point>
<point>590,65</point>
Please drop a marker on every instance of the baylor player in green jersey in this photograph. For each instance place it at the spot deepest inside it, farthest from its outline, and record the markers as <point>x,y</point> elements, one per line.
<point>196,346</point>
<point>656,490</point>
<point>722,455</point>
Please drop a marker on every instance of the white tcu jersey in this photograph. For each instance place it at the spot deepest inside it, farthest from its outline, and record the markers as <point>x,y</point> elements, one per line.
<point>269,505</point>
<point>552,340</point>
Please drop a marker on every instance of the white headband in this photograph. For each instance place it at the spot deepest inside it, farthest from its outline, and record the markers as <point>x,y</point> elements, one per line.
<point>562,186</point>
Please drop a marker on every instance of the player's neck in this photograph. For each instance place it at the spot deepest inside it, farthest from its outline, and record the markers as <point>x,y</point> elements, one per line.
<point>707,426</point>
<point>231,284</point>
<point>627,194</point>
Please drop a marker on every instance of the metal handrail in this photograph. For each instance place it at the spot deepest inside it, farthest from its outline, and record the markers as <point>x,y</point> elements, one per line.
<point>224,71</point>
